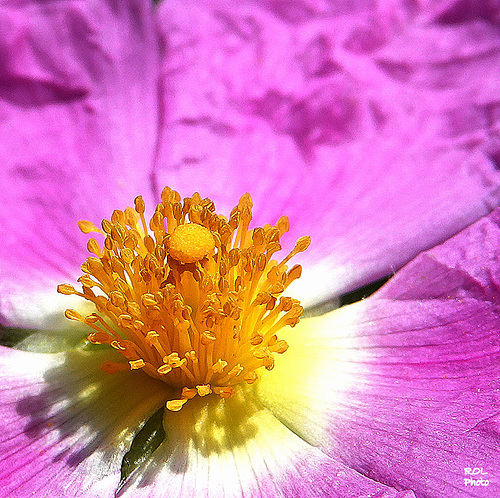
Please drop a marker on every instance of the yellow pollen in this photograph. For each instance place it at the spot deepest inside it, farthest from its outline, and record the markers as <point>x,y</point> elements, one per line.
<point>190,243</point>
<point>190,298</point>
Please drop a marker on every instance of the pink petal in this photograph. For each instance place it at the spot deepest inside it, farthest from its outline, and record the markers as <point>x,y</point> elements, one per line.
<point>67,424</point>
<point>235,448</point>
<point>406,384</point>
<point>78,117</point>
<point>339,116</point>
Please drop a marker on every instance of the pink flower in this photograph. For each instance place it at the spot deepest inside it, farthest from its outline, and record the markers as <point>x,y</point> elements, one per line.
<point>374,128</point>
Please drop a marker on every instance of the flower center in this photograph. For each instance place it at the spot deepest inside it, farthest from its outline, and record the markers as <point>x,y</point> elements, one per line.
<point>191,298</point>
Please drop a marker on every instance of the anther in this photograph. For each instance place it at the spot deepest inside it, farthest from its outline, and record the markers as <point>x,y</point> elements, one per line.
<point>88,227</point>
<point>66,289</point>
<point>136,364</point>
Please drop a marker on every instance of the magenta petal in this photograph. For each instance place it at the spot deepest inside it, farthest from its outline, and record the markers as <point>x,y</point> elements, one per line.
<point>427,403</point>
<point>78,117</point>
<point>236,449</point>
<point>66,424</point>
<point>411,394</point>
<point>308,107</point>
<point>466,266</point>
<point>274,474</point>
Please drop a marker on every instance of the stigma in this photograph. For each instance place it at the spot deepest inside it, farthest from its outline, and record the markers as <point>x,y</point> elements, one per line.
<point>191,298</point>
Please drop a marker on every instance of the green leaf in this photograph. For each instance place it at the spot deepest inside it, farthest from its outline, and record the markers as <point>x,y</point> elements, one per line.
<point>145,443</point>
<point>10,336</point>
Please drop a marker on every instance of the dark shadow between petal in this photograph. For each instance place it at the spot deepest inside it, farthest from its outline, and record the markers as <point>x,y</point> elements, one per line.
<point>208,425</point>
<point>90,411</point>
<point>83,413</point>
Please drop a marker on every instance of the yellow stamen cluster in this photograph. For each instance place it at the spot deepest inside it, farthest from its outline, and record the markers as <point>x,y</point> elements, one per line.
<point>191,298</point>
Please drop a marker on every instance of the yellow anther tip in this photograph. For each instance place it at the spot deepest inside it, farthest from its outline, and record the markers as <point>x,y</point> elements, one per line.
<point>204,390</point>
<point>87,226</point>
<point>66,289</point>
<point>303,243</point>
<point>191,242</point>
<point>175,405</point>
<point>73,315</point>
<point>137,364</point>
<point>139,204</point>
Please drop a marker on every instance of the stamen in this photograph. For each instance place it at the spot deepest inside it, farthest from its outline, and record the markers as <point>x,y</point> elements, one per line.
<point>190,298</point>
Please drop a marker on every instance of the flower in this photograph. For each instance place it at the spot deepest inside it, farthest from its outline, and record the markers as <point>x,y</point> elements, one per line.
<point>396,395</point>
